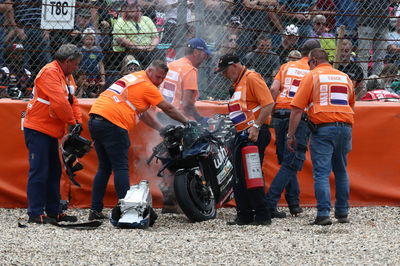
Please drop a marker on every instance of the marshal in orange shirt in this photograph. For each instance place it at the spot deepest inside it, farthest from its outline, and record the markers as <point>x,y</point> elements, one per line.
<point>329,95</point>
<point>141,93</point>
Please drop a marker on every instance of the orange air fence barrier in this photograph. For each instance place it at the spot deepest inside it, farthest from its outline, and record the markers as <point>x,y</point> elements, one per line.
<point>373,164</point>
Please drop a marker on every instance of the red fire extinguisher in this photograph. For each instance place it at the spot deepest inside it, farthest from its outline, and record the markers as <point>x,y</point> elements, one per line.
<point>252,166</point>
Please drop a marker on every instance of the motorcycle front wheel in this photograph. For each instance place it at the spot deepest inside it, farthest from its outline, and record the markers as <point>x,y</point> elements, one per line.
<point>194,198</point>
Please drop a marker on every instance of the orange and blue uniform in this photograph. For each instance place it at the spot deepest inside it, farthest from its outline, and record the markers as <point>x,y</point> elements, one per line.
<point>113,114</point>
<point>52,107</point>
<point>250,95</point>
<point>289,77</point>
<point>328,95</point>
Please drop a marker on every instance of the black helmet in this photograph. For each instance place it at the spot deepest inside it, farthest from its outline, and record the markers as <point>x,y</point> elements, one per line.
<point>73,147</point>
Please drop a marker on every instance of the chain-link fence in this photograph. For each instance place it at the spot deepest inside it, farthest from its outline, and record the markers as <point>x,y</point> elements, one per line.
<point>117,37</point>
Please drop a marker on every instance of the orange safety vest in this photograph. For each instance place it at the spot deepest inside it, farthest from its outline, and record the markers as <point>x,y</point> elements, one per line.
<point>240,115</point>
<point>117,97</point>
<point>171,88</point>
<point>332,91</point>
<point>290,76</point>
<point>48,112</point>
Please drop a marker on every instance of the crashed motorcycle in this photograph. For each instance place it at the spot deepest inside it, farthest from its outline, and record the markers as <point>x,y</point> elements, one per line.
<point>201,161</point>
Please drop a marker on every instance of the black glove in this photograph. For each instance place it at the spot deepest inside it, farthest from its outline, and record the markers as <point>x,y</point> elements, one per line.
<point>75,129</point>
<point>164,130</point>
<point>191,123</point>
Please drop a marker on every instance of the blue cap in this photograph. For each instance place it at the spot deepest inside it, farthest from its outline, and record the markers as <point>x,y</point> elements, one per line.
<point>200,44</point>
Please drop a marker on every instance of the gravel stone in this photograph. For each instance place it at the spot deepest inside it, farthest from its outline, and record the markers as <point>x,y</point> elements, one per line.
<point>371,238</point>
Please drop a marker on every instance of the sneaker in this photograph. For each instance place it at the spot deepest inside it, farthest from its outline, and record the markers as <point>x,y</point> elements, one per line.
<point>95,215</point>
<point>263,222</point>
<point>62,217</point>
<point>322,220</point>
<point>42,219</point>
<point>239,221</point>
<point>295,210</point>
<point>342,218</point>
<point>278,214</point>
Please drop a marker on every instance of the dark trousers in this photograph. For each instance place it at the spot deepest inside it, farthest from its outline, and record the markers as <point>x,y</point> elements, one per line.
<point>111,143</point>
<point>43,190</point>
<point>250,203</point>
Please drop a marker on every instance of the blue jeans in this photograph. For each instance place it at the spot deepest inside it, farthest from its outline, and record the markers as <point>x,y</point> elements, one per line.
<point>111,143</point>
<point>43,190</point>
<point>329,148</point>
<point>291,163</point>
<point>250,203</point>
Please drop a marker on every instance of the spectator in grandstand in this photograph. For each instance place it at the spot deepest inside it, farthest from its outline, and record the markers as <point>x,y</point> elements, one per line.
<point>393,44</point>
<point>92,64</point>
<point>326,39</point>
<point>83,20</point>
<point>373,22</point>
<point>294,55</point>
<point>263,60</point>
<point>328,9</point>
<point>135,33</point>
<point>346,14</point>
<point>255,18</point>
<point>389,74</point>
<point>15,79</point>
<point>352,69</point>
<point>376,91</point>
<point>7,18</point>
<point>129,64</point>
<point>289,42</point>
<point>216,13</point>
<point>36,41</point>
<point>229,45</point>
<point>298,13</point>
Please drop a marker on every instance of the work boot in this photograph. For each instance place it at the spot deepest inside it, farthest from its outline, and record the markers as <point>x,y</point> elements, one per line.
<point>62,217</point>
<point>94,215</point>
<point>277,214</point>
<point>42,219</point>
<point>295,210</point>
<point>322,220</point>
<point>261,222</point>
<point>239,221</point>
<point>342,218</point>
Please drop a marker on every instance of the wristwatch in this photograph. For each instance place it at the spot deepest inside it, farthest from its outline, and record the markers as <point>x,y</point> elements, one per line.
<point>256,126</point>
<point>289,137</point>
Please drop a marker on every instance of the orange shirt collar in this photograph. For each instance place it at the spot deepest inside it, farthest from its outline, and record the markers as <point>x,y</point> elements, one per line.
<point>240,76</point>
<point>323,65</point>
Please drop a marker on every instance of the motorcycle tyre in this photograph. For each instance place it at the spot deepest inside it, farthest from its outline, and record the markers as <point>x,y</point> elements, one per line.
<point>184,198</point>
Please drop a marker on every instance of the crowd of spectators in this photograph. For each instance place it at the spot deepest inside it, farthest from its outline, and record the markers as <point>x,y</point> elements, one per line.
<point>263,33</point>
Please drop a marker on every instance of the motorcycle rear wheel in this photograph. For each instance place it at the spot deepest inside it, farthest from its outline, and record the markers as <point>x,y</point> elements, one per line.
<point>194,198</point>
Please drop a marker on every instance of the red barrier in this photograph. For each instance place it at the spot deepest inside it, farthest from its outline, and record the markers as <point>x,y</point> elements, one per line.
<point>373,163</point>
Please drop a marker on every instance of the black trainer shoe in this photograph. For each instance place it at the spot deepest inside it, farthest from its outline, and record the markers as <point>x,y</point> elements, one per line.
<point>42,219</point>
<point>322,220</point>
<point>263,222</point>
<point>94,215</point>
<point>278,214</point>
<point>295,210</point>
<point>239,221</point>
<point>62,217</point>
<point>342,218</point>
